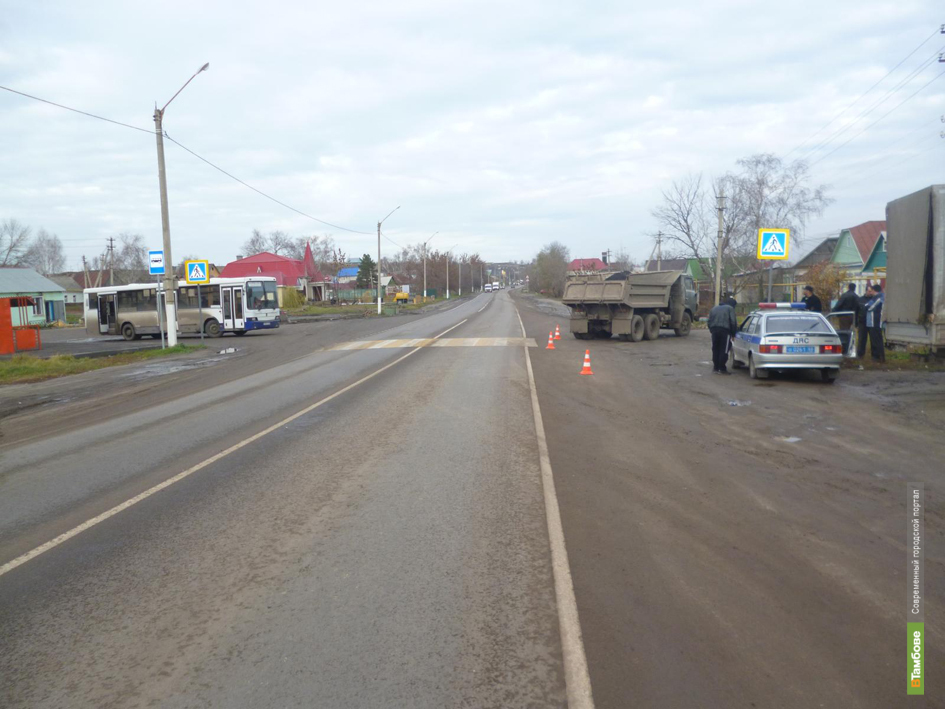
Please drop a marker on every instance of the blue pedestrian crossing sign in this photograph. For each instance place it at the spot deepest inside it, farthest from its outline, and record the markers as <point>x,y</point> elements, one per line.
<point>197,272</point>
<point>773,244</point>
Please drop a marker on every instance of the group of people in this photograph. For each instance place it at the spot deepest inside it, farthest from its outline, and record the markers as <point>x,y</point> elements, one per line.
<point>867,316</point>
<point>867,312</point>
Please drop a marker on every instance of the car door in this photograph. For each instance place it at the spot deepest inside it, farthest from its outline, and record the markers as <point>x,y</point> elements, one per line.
<point>743,338</point>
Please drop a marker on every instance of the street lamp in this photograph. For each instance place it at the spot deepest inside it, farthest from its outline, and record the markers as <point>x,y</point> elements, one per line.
<point>425,265</point>
<point>170,287</point>
<point>448,269</point>
<point>379,258</point>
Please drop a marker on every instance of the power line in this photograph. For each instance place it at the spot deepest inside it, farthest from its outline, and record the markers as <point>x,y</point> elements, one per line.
<point>832,120</point>
<point>258,191</point>
<point>216,167</point>
<point>863,114</point>
<point>76,110</point>
<point>894,108</point>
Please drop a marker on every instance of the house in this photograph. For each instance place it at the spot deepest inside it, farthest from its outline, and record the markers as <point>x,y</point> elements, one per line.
<point>348,274</point>
<point>876,262</point>
<point>822,252</point>
<point>587,264</point>
<point>73,291</point>
<point>290,273</point>
<point>691,266</point>
<point>36,299</point>
<point>856,244</point>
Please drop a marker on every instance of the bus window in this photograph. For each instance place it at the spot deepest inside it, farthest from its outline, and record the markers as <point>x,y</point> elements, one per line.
<point>261,295</point>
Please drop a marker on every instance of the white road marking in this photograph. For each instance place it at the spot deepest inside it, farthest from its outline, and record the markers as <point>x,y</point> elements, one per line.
<point>577,678</point>
<point>88,524</point>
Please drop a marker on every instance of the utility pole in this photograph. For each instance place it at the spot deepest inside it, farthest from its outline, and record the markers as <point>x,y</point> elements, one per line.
<point>379,258</point>
<point>170,287</point>
<point>659,251</point>
<point>85,270</point>
<point>425,265</point>
<point>111,260</point>
<point>718,247</point>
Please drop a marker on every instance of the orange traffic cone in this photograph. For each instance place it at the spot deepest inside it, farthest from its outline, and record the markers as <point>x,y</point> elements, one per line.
<point>587,363</point>
<point>557,333</point>
<point>551,345</point>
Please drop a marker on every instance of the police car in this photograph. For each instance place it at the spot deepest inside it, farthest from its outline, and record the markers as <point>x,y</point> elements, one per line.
<point>787,336</point>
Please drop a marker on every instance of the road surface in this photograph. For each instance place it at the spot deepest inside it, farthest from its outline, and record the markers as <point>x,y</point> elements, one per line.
<point>321,522</point>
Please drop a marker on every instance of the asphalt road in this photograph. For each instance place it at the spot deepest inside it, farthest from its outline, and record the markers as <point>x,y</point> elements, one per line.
<point>732,543</point>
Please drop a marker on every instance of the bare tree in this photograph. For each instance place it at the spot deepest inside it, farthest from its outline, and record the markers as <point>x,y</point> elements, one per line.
<point>45,254</point>
<point>257,243</point>
<point>131,253</point>
<point>765,192</point>
<point>14,241</point>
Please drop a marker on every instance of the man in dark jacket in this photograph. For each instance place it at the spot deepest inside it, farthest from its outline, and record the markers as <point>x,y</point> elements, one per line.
<point>849,302</point>
<point>723,326</point>
<point>874,323</point>
<point>812,301</point>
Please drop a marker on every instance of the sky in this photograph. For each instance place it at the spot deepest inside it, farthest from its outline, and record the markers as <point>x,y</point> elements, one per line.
<point>502,126</point>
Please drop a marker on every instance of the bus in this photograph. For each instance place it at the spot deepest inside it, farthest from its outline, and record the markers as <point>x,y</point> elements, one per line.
<point>235,305</point>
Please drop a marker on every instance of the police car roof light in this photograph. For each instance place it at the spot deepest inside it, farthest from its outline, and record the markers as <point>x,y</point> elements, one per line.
<point>793,306</point>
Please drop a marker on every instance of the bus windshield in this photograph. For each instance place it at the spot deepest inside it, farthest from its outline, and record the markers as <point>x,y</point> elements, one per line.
<point>261,295</point>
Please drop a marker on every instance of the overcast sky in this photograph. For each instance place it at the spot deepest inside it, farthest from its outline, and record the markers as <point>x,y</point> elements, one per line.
<point>502,125</point>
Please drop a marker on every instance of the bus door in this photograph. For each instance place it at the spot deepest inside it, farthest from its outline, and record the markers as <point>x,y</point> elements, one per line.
<point>106,314</point>
<point>233,318</point>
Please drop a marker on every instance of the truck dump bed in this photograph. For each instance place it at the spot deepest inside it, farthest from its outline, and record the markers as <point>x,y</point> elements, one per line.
<point>638,290</point>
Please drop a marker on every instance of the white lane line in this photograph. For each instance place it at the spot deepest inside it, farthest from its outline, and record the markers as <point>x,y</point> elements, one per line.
<point>577,678</point>
<point>88,524</point>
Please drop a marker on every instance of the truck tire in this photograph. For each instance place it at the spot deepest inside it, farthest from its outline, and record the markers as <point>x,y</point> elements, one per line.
<point>579,335</point>
<point>685,325</point>
<point>651,326</point>
<point>637,329</point>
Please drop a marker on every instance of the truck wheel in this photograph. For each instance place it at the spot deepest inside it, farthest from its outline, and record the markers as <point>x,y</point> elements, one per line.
<point>637,329</point>
<point>579,335</point>
<point>128,331</point>
<point>651,327</point>
<point>685,325</point>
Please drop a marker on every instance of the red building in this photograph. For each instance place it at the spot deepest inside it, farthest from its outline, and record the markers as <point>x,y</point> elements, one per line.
<point>587,264</point>
<point>289,272</point>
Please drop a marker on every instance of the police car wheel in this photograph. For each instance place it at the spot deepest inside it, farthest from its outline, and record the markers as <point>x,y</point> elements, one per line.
<point>736,364</point>
<point>754,372</point>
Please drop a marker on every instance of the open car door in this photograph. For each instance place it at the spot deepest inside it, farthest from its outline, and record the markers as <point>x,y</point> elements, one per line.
<point>844,322</point>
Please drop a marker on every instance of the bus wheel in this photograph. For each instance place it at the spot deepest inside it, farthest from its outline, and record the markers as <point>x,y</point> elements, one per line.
<point>212,328</point>
<point>128,331</point>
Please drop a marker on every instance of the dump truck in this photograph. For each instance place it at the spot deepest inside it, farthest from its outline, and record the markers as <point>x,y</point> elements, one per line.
<point>915,272</point>
<point>633,306</point>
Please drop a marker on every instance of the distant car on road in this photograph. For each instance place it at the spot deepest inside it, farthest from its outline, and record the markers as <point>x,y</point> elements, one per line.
<point>488,288</point>
<point>782,336</point>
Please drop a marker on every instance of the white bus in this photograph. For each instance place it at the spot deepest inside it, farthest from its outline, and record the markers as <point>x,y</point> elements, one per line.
<point>235,305</point>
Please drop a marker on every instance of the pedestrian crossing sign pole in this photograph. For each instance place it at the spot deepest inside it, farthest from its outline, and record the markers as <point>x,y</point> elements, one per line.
<point>773,244</point>
<point>195,273</point>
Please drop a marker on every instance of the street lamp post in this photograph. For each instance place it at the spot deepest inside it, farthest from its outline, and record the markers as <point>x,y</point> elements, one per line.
<point>448,251</point>
<point>170,287</point>
<point>425,265</point>
<point>379,258</point>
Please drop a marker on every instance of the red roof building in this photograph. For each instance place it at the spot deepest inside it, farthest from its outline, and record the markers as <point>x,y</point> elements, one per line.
<point>288,272</point>
<point>587,264</point>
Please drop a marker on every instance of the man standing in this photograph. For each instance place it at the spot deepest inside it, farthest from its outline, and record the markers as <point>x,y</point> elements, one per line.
<point>723,326</point>
<point>729,299</point>
<point>874,323</point>
<point>812,301</point>
<point>849,302</point>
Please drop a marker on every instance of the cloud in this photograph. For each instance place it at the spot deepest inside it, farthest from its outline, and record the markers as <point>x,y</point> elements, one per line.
<point>503,125</point>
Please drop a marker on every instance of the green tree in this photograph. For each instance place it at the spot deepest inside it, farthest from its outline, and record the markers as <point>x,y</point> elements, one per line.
<point>367,271</point>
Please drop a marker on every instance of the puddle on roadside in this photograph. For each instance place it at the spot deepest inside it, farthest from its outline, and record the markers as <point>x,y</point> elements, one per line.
<point>157,369</point>
<point>228,350</point>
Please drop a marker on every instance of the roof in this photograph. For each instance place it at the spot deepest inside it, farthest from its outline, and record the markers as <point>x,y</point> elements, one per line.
<point>348,272</point>
<point>68,283</point>
<point>26,280</point>
<point>587,264</point>
<point>865,236</point>
<point>821,252</point>
<point>287,271</point>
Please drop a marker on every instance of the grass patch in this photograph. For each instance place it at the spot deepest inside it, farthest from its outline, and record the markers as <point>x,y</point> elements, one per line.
<point>896,361</point>
<point>22,369</point>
